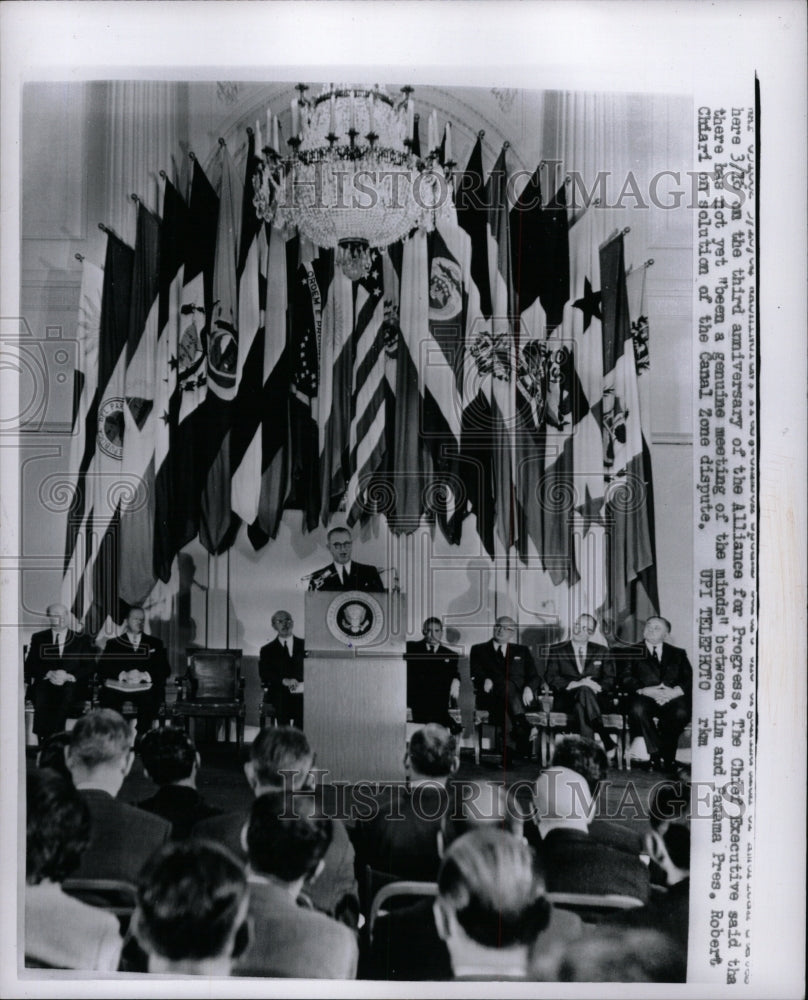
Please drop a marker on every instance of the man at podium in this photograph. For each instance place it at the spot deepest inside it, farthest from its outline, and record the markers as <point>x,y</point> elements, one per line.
<point>343,573</point>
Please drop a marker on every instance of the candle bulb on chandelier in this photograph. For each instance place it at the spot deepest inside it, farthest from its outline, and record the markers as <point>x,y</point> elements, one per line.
<point>258,144</point>
<point>371,113</point>
<point>447,149</point>
<point>295,118</point>
<point>352,125</point>
<point>410,119</point>
<point>269,126</point>
<point>276,143</point>
<point>332,120</point>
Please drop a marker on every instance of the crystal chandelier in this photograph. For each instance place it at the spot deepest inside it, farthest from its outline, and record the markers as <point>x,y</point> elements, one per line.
<point>352,182</point>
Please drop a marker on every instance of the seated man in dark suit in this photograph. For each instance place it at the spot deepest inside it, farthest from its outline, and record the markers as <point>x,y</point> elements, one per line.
<point>191,915</point>
<point>581,675</point>
<point>59,665</point>
<point>281,757</point>
<point>139,662</point>
<point>123,837</point>
<point>286,840</point>
<point>432,677</point>
<point>660,678</point>
<point>406,944</point>
<point>280,666</point>
<point>574,861</point>
<point>172,761</point>
<point>399,836</point>
<point>505,682</point>
<point>343,573</point>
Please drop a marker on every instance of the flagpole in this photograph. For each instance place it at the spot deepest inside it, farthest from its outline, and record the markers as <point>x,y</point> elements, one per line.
<point>637,267</point>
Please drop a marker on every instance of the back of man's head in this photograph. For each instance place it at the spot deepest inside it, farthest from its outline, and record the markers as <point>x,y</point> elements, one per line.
<point>562,801</point>
<point>168,754</point>
<point>491,882</point>
<point>585,757</point>
<point>286,838</point>
<point>279,749</point>
<point>677,844</point>
<point>98,739</point>
<point>433,752</point>
<point>191,904</point>
<point>476,805</point>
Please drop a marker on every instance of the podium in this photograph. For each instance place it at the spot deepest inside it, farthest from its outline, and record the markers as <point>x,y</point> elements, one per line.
<point>356,684</point>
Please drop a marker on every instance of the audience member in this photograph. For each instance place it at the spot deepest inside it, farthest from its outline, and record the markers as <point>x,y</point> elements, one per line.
<point>573,860</point>
<point>59,666</point>
<point>406,944</point>
<point>171,760</point>
<point>585,757</point>
<point>51,753</point>
<point>123,837</point>
<point>286,842</point>
<point>399,837</point>
<point>134,667</point>
<point>61,932</point>
<point>611,955</point>
<point>491,905</point>
<point>191,915</point>
<point>281,757</point>
<point>669,802</point>
<point>280,666</point>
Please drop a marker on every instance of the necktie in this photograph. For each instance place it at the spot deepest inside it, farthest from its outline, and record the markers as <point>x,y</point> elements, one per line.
<point>501,653</point>
<point>581,659</point>
<point>656,654</point>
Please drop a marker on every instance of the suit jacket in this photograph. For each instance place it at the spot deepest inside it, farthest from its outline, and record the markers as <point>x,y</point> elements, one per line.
<point>63,933</point>
<point>575,861</point>
<point>429,678</point>
<point>642,670</point>
<point>119,655</point>
<point>400,837</point>
<point>78,656</point>
<point>336,881</point>
<point>182,806</point>
<point>122,838</point>
<point>361,577</point>
<point>407,946</point>
<point>520,668</point>
<point>274,663</point>
<point>562,666</point>
<point>294,942</point>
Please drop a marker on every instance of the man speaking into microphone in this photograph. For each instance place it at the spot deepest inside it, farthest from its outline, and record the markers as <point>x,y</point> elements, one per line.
<point>343,573</point>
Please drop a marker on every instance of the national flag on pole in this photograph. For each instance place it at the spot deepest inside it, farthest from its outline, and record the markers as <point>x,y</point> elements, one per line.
<point>334,403</point>
<point>136,571</point>
<point>191,451</point>
<point>479,356</point>
<point>83,437</point>
<point>173,239</point>
<point>105,472</point>
<point>644,600</point>
<point>245,433</point>
<point>223,352</point>
<point>412,464</point>
<point>630,550</point>
<point>367,430</point>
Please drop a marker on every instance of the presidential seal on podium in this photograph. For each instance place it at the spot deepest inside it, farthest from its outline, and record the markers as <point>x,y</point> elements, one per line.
<point>355,618</point>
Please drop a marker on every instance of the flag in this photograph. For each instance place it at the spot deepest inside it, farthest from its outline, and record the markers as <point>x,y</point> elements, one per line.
<point>105,474</point>
<point>334,403</point>
<point>630,547</point>
<point>223,352</point>
<point>367,440</point>
<point>644,596</point>
<point>190,450</point>
<point>136,571</point>
<point>173,239</point>
<point>479,355</point>
<point>306,318</point>
<point>503,377</point>
<point>82,439</point>
<point>245,433</point>
<point>274,481</point>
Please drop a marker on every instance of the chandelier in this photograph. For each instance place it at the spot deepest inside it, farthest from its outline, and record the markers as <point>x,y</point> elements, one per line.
<point>352,182</point>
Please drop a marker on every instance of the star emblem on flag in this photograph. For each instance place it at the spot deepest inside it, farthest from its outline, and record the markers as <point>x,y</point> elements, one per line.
<point>590,509</point>
<point>589,304</point>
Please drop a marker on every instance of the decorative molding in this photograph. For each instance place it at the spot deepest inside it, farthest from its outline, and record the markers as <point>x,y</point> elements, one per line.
<point>50,295</point>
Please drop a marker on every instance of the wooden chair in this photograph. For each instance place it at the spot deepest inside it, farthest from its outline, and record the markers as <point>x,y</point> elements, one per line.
<point>113,895</point>
<point>212,688</point>
<point>592,907</point>
<point>402,892</point>
<point>552,724</point>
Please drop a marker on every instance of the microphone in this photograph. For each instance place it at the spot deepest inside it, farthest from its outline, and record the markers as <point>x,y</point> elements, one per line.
<point>319,576</point>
